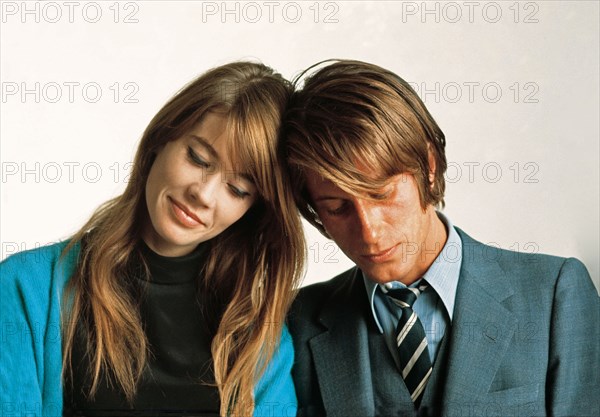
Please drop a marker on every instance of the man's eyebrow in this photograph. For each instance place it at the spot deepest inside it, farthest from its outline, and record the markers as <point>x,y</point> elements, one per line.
<point>209,148</point>
<point>326,197</point>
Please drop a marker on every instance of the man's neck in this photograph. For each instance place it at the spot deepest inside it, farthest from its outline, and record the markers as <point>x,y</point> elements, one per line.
<point>430,248</point>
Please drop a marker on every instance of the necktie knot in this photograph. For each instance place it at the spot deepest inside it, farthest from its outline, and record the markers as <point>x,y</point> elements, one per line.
<point>404,297</point>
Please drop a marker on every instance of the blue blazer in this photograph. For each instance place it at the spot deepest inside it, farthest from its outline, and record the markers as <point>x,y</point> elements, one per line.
<point>524,340</point>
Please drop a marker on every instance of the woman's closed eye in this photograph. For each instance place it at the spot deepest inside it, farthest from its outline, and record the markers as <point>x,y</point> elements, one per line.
<point>197,159</point>
<point>238,192</point>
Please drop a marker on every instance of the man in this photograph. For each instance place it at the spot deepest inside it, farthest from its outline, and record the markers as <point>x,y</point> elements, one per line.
<point>430,322</point>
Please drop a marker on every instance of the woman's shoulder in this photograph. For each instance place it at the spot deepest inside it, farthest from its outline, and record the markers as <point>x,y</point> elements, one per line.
<point>40,257</point>
<point>37,268</point>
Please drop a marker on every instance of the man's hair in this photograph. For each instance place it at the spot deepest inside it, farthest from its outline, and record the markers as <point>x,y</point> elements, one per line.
<point>357,125</point>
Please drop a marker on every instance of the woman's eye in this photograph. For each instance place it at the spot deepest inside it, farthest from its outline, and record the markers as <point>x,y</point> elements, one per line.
<point>196,159</point>
<point>237,192</point>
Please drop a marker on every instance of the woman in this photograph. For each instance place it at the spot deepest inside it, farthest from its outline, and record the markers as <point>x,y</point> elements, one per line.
<point>171,299</point>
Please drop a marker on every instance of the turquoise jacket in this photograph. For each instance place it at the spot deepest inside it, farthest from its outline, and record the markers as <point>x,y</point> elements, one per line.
<point>31,288</point>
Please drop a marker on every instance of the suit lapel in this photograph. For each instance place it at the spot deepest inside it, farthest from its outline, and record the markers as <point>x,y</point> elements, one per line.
<point>482,328</point>
<point>341,352</point>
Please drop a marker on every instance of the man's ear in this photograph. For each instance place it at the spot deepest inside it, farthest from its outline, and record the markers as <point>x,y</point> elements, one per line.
<point>432,167</point>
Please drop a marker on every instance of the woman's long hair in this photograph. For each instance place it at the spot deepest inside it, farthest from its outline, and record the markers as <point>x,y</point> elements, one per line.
<point>253,267</point>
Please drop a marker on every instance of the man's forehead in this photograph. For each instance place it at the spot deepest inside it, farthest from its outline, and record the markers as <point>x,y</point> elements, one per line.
<point>362,173</point>
<point>320,188</point>
<point>316,181</point>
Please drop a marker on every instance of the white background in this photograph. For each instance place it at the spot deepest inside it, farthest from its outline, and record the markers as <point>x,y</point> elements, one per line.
<point>514,86</point>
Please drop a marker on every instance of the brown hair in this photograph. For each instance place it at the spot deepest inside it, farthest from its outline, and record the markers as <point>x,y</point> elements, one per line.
<point>357,125</point>
<point>253,267</point>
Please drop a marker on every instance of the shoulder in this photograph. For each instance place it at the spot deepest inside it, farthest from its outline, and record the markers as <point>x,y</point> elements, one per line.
<point>331,297</point>
<point>31,283</point>
<point>36,270</point>
<point>333,285</point>
<point>573,278</point>
<point>42,259</point>
<point>316,294</point>
<point>524,268</point>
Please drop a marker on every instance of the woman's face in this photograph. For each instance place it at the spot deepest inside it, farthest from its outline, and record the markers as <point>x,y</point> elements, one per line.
<point>192,192</point>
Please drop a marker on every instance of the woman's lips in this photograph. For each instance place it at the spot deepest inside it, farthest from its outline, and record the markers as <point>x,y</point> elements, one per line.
<point>185,216</point>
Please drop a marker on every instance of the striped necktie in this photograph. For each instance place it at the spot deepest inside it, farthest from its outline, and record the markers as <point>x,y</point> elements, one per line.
<point>415,364</point>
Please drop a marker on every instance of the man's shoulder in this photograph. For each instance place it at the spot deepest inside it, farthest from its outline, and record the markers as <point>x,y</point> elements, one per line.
<point>521,265</point>
<point>327,288</point>
<point>313,298</point>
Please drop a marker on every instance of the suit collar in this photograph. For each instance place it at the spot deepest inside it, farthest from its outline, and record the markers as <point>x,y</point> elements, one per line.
<point>480,265</point>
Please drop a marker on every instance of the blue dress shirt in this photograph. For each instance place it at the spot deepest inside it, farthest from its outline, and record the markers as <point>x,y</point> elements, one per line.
<point>434,306</point>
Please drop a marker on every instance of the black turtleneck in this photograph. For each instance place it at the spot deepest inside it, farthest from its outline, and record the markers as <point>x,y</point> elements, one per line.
<point>178,378</point>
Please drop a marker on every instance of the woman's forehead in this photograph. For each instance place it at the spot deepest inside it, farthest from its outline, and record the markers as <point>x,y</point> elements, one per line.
<point>222,141</point>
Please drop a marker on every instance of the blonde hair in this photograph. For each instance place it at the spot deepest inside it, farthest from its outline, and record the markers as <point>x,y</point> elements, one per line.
<point>357,125</point>
<point>253,267</point>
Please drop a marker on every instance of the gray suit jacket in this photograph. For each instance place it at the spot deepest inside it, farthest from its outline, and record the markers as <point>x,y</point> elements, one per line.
<point>524,340</point>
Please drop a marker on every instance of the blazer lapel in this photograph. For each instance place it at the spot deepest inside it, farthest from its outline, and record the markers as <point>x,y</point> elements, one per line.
<point>341,352</point>
<point>482,328</point>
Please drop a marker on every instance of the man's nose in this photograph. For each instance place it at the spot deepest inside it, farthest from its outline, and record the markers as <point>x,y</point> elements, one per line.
<point>369,221</point>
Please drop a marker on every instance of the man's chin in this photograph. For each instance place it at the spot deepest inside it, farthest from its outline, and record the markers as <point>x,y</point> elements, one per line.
<point>384,273</point>
<point>380,274</point>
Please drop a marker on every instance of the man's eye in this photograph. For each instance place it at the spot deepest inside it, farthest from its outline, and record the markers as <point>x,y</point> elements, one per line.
<point>338,211</point>
<point>381,195</point>
<point>196,159</point>
<point>238,192</point>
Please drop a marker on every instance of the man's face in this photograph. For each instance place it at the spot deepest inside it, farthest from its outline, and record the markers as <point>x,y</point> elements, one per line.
<point>391,237</point>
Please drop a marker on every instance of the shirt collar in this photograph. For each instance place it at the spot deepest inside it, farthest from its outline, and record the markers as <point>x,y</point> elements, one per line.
<point>442,275</point>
